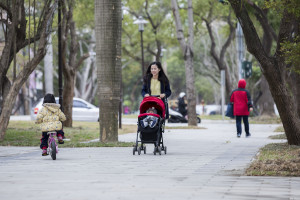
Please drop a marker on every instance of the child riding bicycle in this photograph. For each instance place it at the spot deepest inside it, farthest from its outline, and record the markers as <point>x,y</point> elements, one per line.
<point>50,118</point>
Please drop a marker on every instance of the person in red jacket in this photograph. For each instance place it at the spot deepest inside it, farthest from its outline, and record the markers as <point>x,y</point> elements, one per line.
<point>242,104</point>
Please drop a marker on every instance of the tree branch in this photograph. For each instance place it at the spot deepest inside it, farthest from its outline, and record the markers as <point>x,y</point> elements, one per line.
<point>8,11</point>
<point>213,44</point>
<point>229,39</point>
<point>85,56</point>
<point>285,28</point>
<point>179,29</point>
<point>262,18</point>
<point>253,42</point>
<point>149,17</point>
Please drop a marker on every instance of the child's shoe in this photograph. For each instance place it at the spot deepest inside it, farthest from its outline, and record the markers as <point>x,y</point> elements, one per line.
<point>44,153</point>
<point>60,140</point>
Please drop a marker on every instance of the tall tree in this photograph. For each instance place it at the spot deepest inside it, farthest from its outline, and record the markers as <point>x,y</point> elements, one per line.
<point>265,100</point>
<point>220,58</point>
<point>274,67</point>
<point>108,18</point>
<point>17,38</point>
<point>188,53</point>
<point>70,66</point>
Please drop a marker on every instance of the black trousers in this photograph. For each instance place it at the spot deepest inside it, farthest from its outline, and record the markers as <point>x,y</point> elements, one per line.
<point>239,124</point>
<point>45,137</point>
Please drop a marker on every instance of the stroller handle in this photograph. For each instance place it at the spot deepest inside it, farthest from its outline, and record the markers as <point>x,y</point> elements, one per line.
<point>158,96</point>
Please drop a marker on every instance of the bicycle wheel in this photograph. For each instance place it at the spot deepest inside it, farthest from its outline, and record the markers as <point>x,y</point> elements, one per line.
<point>53,150</point>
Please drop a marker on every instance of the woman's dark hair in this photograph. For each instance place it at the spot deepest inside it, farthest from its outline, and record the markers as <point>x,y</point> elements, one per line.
<point>49,98</point>
<point>161,76</point>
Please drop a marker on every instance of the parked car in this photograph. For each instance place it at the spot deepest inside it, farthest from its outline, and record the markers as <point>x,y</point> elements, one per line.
<point>82,110</point>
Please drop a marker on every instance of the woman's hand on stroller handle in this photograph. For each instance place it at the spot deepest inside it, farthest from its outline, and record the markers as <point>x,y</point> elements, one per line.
<point>158,96</point>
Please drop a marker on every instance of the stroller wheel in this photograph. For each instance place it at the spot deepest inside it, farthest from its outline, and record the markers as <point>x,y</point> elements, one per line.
<point>155,150</point>
<point>198,120</point>
<point>165,149</point>
<point>144,149</point>
<point>139,150</point>
<point>159,150</point>
<point>134,150</point>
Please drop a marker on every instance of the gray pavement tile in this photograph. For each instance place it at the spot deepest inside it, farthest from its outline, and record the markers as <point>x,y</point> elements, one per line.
<point>200,164</point>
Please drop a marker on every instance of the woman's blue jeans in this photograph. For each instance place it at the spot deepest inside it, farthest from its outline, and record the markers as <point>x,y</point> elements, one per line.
<point>239,124</point>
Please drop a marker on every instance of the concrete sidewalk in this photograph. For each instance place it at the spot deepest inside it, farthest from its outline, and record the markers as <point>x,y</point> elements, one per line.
<point>200,164</point>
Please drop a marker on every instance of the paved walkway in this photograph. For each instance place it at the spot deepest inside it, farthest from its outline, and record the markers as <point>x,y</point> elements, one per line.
<point>200,164</point>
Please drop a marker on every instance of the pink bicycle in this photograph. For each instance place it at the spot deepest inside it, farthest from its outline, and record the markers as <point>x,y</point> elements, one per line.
<point>52,146</point>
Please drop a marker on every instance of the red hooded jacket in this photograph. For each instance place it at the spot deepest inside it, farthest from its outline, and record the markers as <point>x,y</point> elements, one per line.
<point>241,99</point>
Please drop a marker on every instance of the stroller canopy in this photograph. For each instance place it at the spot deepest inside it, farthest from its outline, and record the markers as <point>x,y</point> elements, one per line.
<point>149,102</point>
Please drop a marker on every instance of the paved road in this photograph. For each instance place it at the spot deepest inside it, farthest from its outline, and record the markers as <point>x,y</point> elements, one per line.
<point>200,164</point>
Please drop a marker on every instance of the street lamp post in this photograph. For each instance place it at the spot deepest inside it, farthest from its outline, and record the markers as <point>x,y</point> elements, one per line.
<point>140,21</point>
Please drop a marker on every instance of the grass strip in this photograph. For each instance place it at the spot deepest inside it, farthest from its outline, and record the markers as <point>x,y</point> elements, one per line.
<point>276,159</point>
<point>26,133</point>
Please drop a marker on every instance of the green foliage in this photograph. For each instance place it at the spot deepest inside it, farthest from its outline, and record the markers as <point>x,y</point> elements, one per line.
<point>132,84</point>
<point>256,73</point>
<point>176,72</point>
<point>291,6</point>
<point>290,49</point>
<point>84,14</point>
<point>291,52</point>
<point>204,89</point>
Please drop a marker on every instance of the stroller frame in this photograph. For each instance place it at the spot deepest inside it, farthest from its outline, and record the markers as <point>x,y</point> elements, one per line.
<point>158,142</point>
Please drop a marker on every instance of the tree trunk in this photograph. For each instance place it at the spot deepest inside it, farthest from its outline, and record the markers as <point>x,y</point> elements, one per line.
<point>48,67</point>
<point>108,20</point>
<point>71,65</point>
<point>187,50</point>
<point>190,89</point>
<point>285,104</point>
<point>294,82</point>
<point>25,99</point>
<point>266,102</point>
<point>68,94</point>
<point>7,108</point>
<point>228,83</point>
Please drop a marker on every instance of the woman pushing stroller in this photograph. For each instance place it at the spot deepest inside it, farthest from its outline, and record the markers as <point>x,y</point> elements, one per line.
<point>153,109</point>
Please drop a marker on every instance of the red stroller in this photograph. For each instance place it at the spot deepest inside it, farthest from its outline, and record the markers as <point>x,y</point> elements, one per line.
<point>152,133</point>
